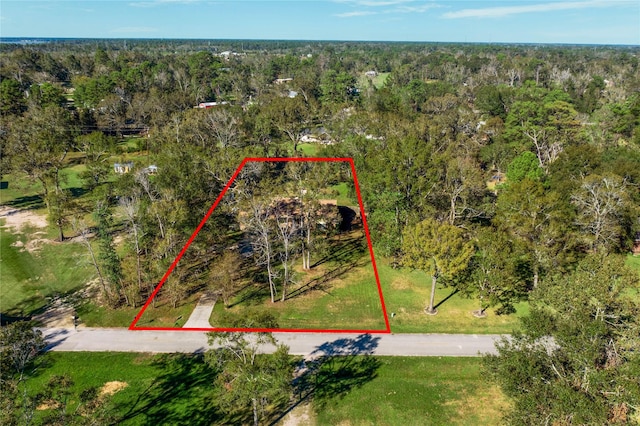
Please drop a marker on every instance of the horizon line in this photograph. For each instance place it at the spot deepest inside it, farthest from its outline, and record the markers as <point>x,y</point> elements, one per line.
<point>528,43</point>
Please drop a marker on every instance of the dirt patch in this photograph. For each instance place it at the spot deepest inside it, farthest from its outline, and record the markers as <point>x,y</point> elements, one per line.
<point>48,405</point>
<point>17,219</point>
<point>401,283</point>
<point>35,245</point>
<point>118,240</point>
<point>300,416</point>
<point>111,388</point>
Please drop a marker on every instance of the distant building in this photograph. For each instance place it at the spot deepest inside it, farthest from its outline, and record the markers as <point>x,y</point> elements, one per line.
<point>122,168</point>
<point>282,80</point>
<point>371,74</point>
<point>206,105</point>
<point>152,169</point>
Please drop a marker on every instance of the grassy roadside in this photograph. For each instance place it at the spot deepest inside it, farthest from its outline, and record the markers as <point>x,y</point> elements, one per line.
<point>176,389</point>
<point>418,391</point>
<point>406,292</point>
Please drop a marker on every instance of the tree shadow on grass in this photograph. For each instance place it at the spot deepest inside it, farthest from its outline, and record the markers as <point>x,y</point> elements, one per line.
<point>446,298</point>
<point>77,192</point>
<point>333,369</point>
<point>182,394</point>
<point>31,202</point>
<point>323,282</point>
<point>344,250</point>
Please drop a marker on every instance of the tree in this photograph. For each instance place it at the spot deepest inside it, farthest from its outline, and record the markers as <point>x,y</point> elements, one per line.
<point>463,189</point>
<point>130,207</point>
<point>11,97</point>
<point>497,272</point>
<point>576,359</point>
<point>39,144</point>
<point>601,202</point>
<point>246,378</point>
<point>20,343</point>
<point>97,148</point>
<point>107,257</point>
<point>291,116</point>
<point>336,88</point>
<point>437,249</point>
<point>287,228</point>
<point>536,219</point>
<point>47,94</point>
<point>262,240</point>
<point>223,274</point>
<point>523,166</point>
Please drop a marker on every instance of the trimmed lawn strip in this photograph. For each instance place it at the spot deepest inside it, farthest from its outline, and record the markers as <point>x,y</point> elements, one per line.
<point>163,315</point>
<point>343,199</point>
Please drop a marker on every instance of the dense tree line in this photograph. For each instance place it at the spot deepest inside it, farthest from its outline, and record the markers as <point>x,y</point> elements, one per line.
<point>555,128</point>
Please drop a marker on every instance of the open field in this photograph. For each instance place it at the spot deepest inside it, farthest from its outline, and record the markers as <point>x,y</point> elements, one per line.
<point>177,389</point>
<point>31,278</point>
<point>416,391</point>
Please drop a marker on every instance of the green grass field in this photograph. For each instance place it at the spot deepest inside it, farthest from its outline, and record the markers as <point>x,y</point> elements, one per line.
<point>633,262</point>
<point>176,389</point>
<point>406,294</point>
<point>343,198</point>
<point>29,279</point>
<point>416,391</point>
<point>348,302</point>
<point>160,389</point>
<point>309,149</point>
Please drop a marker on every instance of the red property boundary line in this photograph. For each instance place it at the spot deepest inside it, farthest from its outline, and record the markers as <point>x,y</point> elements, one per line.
<point>387,329</point>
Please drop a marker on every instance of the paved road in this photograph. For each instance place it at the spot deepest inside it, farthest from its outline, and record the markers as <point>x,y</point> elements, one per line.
<point>124,340</point>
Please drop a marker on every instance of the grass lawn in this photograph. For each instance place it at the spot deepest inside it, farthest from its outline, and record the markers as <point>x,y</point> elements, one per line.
<point>163,315</point>
<point>633,262</point>
<point>27,279</point>
<point>160,389</point>
<point>176,389</point>
<point>349,302</point>
<point>337,295</point>
<point>309,149</point>
<point>417,391</point>
<point>406,294</point>
<point>343,198</point>
<point>20,192</point>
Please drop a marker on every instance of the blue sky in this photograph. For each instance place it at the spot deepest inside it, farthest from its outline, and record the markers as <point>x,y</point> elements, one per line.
<point>542,21</point>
